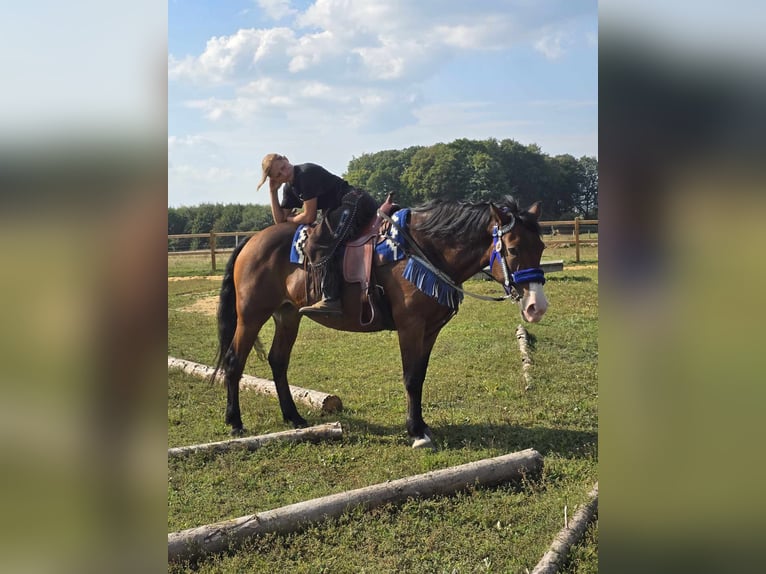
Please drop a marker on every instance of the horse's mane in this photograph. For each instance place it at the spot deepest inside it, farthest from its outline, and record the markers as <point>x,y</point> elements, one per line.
<point>469,221</point>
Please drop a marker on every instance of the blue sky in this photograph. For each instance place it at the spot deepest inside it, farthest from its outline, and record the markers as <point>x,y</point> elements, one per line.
<point>329,80</point>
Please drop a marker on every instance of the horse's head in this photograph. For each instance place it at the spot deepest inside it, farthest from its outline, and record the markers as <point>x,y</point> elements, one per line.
<point>519,247</point>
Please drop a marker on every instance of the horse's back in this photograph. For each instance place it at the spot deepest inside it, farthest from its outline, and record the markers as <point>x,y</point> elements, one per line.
<point>268,244</point>
<point>263,266</point>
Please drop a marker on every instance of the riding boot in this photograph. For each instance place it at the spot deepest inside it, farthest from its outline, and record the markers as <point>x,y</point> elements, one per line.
<point>330,304</point>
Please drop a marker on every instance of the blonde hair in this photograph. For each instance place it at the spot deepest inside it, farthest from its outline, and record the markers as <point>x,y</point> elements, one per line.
<point>266,162</point>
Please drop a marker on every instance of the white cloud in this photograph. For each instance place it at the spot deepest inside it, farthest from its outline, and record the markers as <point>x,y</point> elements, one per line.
<point>277,9</point>
<point>564,104</point>
<point>244,54</point>
<point>377,41</point>
<point>206,175</point>
<point>190,141</point>
<point>550,45</point>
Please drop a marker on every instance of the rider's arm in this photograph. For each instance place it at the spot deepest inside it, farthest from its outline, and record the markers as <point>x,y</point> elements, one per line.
<point>308,215</point>
<point>280,214</point>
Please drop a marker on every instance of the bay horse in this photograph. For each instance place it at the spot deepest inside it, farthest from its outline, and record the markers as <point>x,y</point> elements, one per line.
<point>458,238</point>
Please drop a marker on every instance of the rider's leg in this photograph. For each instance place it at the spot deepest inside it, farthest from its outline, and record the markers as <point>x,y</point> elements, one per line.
<point>330,302</point>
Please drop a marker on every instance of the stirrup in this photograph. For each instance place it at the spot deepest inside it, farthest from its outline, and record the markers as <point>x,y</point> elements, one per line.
<point>324,306</point>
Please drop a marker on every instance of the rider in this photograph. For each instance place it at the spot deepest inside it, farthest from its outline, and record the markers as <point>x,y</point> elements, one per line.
<point>346,211</point>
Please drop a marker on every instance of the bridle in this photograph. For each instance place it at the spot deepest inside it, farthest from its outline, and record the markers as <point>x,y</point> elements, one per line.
<point>511,279</point>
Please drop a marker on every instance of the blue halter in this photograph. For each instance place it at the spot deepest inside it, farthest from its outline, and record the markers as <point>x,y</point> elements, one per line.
<point>532,275</point>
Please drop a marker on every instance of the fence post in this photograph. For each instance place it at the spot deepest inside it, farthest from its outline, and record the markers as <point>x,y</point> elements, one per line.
<point>577,239</point>
<point>212,249</point>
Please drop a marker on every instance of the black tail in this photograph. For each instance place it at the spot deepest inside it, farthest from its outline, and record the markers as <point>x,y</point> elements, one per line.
<point>227,311</point>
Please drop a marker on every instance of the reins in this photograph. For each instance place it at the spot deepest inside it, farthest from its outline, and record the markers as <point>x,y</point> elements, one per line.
<point>510,278</point>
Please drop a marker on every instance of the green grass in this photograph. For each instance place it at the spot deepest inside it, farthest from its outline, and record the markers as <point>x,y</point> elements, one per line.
<point>474,401</point>
<point>187,265</point>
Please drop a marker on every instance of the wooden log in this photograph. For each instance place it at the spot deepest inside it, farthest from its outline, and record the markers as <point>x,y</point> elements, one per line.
<point>552,266</point>
<point>313,434</point>
<point>316,399</point>
<point>526,359</point>
<point>570,535</point>
<point>213,538</point>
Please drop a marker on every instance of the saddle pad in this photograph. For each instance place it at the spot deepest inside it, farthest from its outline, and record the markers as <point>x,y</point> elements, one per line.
<point>297,253</point>
<point>392,247</point>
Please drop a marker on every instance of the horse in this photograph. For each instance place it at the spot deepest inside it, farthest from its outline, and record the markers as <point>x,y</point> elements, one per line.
<point>459,239</point>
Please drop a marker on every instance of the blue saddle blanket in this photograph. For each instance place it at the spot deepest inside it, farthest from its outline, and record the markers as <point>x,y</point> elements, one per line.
<point>393,246</point>
<point>297,249</point>
<point>390,249</point>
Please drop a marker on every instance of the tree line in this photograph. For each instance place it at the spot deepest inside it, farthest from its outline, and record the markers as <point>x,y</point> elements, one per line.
<point>482,170</point>
<point>463,170</point>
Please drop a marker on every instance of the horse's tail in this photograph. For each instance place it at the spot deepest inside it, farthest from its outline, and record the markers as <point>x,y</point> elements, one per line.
<point>227,311</point>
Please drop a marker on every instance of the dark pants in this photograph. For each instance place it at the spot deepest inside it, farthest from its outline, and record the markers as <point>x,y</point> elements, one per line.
<point>345,222</point>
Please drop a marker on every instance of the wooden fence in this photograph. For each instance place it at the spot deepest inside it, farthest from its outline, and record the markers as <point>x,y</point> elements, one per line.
<point>551,229</point>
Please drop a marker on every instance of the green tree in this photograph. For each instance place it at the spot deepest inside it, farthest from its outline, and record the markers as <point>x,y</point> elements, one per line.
<point>526,171</point>
<point>228,220</point>
<point>488,180</point>
<point>564,176</point>
<point>586,202</point>
<point>202,222</point>
<point>435,172</point>
<point>255,218</point>
<point>381,173</point>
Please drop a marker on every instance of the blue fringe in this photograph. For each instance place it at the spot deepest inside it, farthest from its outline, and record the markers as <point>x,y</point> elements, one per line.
<point>431,285</point>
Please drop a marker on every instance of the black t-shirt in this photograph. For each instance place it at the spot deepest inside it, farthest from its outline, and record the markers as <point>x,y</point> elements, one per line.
<point>311,180</point>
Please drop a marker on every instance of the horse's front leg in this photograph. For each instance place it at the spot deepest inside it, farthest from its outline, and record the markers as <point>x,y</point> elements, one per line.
<point>416,351</point>
<point>286,320</point>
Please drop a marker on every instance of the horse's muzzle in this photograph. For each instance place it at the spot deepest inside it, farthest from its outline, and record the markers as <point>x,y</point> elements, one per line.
<point>533,303</point>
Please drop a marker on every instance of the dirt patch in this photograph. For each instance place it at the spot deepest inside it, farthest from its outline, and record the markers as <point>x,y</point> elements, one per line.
<point>576,267</point>
<point>210,277</point>
<point>204,306</point>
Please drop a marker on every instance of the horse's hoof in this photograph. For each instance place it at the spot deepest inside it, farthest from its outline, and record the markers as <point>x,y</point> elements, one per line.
<point>298,423</point>
<point>238,432</point>
<point>423,442</point>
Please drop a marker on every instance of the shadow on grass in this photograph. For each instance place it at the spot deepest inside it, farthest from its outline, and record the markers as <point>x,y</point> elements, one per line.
<point>478,436</point>
<point>569,279</point>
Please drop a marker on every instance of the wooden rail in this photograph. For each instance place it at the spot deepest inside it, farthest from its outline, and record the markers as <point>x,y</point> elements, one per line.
<point>212,242</point>
<point>213,236</point>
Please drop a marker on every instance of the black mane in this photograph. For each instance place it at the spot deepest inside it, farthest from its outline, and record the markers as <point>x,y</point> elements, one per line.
<point>451,220</point>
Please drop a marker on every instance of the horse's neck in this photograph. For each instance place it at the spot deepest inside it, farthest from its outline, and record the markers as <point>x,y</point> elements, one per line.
<point>460,261</point>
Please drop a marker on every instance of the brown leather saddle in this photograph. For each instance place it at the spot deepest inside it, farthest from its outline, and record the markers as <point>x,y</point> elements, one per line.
<point>358,260</point>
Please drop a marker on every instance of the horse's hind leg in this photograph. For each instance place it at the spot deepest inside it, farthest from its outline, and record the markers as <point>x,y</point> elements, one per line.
<point>234,364</point>
<point>287,321</point>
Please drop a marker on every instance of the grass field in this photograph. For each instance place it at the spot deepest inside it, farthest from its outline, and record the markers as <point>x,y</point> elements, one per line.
<point>474,401</point>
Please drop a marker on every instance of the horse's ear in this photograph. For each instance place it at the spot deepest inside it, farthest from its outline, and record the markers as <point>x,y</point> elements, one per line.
<point>497,217</point>
<point>536,210</point>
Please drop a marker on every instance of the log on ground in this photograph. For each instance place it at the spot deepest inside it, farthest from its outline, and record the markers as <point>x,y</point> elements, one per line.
<point>310,434</point>
<point>325,402</point>
<point>570,535</point>
<point>214,538</point>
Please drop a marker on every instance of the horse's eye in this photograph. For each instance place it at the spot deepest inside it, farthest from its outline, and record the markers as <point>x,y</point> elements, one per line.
<point>513,251</point>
